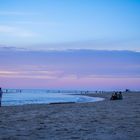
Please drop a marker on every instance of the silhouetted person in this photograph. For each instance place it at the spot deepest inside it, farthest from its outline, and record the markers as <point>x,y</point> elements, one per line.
<point>120,96</point>
<point>0,96</point>
<point>114,96</point>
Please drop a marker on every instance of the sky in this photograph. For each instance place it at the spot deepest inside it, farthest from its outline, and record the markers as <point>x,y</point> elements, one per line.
<point>70,44</point>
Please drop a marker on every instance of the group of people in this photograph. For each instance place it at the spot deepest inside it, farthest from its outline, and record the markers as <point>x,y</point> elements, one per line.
<point>116,96</point>
<point>0,96</point>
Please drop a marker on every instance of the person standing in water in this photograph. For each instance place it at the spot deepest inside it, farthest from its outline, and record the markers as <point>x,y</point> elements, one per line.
<point>0,96</point>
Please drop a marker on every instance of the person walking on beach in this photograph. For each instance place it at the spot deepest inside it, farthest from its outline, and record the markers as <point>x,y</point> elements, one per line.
<point>0,96</point>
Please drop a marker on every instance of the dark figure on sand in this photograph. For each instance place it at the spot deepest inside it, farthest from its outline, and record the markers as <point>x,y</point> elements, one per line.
<point>0,96</point>
<point>116,96</point>
<point>120,95</point>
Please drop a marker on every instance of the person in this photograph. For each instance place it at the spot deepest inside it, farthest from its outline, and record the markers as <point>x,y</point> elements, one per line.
<point>120,95</point>
<point>113,97</point>
<point>116,96</point>
<point>0,96</point>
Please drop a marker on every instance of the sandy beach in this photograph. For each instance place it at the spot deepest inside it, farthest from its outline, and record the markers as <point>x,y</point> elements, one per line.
<point>103,120</point>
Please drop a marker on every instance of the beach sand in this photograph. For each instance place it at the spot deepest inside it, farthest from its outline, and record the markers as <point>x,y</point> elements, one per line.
<point>103,120</point>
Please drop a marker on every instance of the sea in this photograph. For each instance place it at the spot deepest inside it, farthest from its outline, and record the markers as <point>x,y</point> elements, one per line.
<point>14,97</point>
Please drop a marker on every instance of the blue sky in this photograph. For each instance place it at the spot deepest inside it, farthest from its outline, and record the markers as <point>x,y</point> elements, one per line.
<point>70,44</point>
<point>45,22</point>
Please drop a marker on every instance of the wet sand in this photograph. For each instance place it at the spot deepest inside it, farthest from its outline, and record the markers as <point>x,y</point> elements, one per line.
<point>103,120</point>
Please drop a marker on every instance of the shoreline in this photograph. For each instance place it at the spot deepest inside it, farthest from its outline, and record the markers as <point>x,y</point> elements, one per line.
<point>103,120</point>
<point>40,98</point>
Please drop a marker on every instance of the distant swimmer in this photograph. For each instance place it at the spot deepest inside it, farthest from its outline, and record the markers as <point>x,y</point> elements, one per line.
<point>0,96</point>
